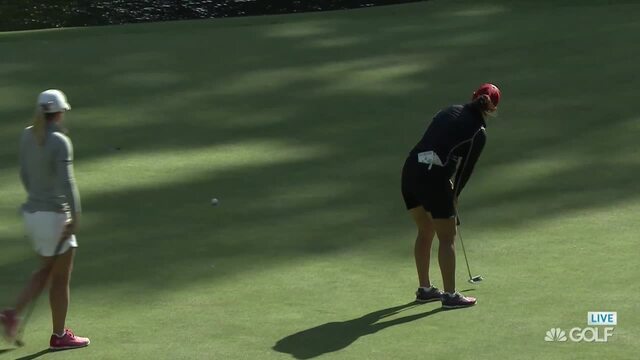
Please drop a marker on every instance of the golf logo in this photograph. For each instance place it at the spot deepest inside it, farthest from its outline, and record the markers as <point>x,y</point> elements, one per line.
<point>556,334</point>
<point>599,330</point>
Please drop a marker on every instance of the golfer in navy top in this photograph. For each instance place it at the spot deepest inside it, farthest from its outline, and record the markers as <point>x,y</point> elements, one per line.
<point>433,176</point>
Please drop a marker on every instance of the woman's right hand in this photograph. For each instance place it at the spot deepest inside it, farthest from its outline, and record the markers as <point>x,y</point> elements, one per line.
<point>70,228</point>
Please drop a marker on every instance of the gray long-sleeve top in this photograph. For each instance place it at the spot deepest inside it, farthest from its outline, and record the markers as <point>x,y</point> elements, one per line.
<point>47,172</point>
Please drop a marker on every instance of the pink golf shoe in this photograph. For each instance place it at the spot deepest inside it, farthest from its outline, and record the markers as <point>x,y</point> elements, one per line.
<point>67,341</point>
<point>9,321</point>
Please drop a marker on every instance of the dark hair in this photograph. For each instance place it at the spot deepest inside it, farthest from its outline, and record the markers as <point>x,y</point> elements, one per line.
<point>483,103</point>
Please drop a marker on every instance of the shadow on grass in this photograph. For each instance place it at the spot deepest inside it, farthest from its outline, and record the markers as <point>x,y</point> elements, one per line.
<point>5,351</point>
<point>35,355</point>
<point>335,336</point>
<point>27,357</point>
<point>366,103</point>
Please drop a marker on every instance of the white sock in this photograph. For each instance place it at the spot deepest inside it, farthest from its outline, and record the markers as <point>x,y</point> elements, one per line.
<point>426,288</point>
<point>60,336</point>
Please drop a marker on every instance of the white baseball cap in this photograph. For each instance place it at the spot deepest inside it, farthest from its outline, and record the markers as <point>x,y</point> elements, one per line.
<point>53,101</point>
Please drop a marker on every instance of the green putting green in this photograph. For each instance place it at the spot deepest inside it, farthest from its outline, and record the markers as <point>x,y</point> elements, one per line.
<point>299,125</point>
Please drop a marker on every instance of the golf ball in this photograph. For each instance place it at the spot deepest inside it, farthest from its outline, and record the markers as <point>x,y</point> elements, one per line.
<point>215,202</point>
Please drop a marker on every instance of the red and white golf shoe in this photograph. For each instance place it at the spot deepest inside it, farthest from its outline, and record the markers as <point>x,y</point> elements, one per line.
<point>457,301</point>
<point>67,341</point>
<point>9,321</point>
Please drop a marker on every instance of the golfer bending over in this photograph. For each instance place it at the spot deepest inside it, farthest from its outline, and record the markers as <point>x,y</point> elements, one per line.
<point>451,146</point>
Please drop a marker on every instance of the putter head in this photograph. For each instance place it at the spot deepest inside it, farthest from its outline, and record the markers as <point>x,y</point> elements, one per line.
<point>476,279</point>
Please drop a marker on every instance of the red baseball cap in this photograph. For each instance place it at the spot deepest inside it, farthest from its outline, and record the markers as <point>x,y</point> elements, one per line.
<point>488,89</point>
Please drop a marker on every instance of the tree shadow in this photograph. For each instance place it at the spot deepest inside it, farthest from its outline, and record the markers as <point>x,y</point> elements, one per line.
<point>272,213</point>
<point>335,336</point>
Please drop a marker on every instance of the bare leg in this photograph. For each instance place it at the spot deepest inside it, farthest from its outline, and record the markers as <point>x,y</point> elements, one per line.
<point>59,291</point>
<point>34,287</point>
<point>422,248</point>
<point>446,230</point>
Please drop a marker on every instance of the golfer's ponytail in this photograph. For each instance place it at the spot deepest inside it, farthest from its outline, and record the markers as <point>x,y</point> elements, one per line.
<point>39,126</point>
<point>483,103</point>
<point>40,120</point>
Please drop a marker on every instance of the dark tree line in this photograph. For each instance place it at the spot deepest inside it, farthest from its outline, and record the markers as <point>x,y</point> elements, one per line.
<point>31,14</point>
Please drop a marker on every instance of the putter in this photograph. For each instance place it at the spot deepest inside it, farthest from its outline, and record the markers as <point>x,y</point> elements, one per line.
<point>472,279</point>
<point>19,342</point>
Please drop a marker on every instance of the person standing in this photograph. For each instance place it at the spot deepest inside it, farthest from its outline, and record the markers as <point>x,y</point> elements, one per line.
<point>51,216</point>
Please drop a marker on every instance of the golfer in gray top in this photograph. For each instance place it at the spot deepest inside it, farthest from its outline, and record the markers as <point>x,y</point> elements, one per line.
<point>51,214</point>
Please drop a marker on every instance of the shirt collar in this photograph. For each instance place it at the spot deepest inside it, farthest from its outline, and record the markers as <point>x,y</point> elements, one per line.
<point>478,114</point>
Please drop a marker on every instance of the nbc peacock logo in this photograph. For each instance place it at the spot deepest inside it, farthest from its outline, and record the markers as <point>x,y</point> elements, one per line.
<point>556,334</point>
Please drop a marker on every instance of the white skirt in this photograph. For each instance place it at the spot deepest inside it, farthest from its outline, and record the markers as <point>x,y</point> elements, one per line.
<point>45,230</point>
